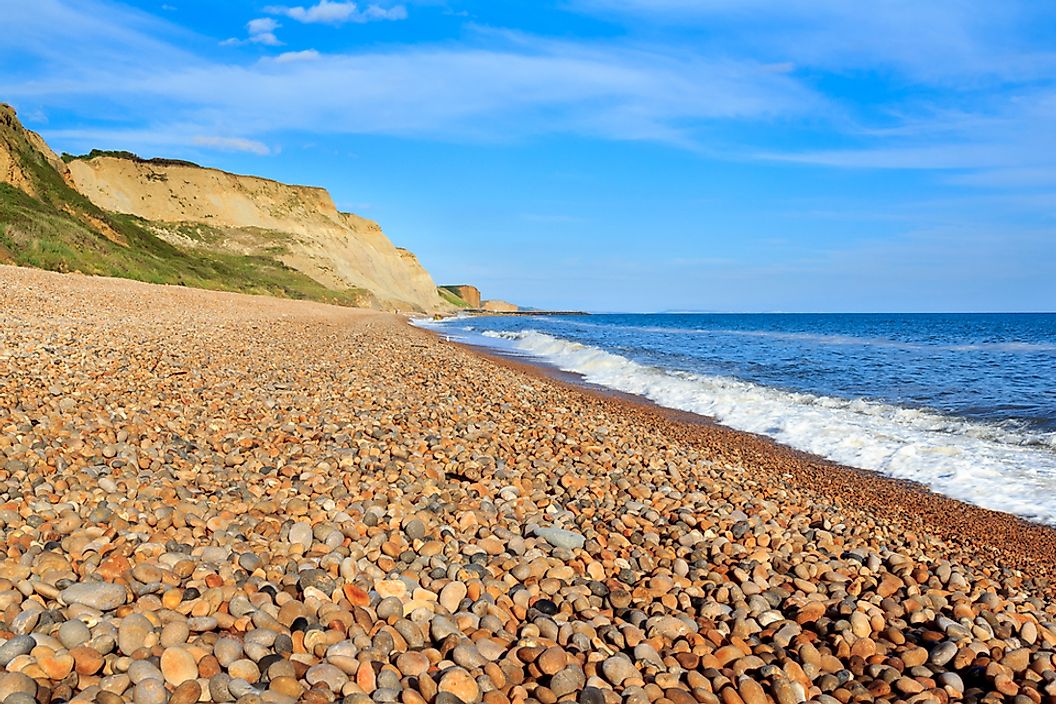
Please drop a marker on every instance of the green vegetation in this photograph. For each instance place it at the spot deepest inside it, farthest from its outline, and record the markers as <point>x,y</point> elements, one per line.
<point>451,297</point>
<point>61,230</point>
<point>131,156</point>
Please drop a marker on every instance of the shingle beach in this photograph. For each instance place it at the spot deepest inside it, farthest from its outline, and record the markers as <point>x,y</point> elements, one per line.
<point>224,498</point>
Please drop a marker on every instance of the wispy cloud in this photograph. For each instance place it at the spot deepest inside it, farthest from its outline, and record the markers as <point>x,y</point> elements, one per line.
<point>291,56</point>
<point>506,86</point>
<point>328,12</point>
<point>236,144</point>
<point>938,41</point>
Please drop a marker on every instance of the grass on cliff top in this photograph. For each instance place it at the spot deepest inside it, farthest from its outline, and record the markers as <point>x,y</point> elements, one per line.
<point>130,156</point>
<point>54,232</point>
<point>451,297</point>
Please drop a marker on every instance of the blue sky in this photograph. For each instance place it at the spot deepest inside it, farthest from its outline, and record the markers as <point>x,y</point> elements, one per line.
<point>604,154</point>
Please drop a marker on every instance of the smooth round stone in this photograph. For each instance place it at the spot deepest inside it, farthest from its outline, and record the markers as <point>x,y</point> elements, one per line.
<point>467,656</point>
<point>412,664</point>
<point>227,650</point>
<point>202,624</point>
<point>175,633</point>
<point>19,645</point>
<point>618,668</point>
<point>669,627</point>
<point>141,670</point>
<point>460,683</point>
<point>452,595</point>
<point>16,683</point>
<point>441,627</point>
<point>591,695</point>
<point>489,649</point>
<point>317,579</point>
<point>178,666</point>
<point>244,669</point>
<point>73,633</point>
<point>27,698</point>
<point>240,688</point>
<point>551,661</point>
<point>286,686</point>
<point>101,596</point>
<point>249,562</point>
<point>943,653</point>
<point>951,680</point>
<point>326,674</point>
<point>561,538</point>
<point>390,607</point>
<point>150,691</point>
<point>133,633</point>
<point>56,665</point>
<point>187,693</point>
<point>218,691</point>
<point>301,534</point>
<point>415,529</point>
<point>569,679</point>
<point>117,684</point>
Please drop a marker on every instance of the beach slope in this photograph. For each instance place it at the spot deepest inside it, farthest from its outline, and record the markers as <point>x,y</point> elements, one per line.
<point>219,497</point>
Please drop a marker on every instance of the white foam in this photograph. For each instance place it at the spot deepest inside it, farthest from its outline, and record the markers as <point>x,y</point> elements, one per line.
<point>987,465</point>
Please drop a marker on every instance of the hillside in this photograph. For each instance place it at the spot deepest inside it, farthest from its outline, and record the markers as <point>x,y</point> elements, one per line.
<point>165,221</point>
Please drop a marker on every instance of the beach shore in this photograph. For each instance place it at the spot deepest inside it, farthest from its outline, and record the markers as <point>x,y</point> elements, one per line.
<point>219,497</point>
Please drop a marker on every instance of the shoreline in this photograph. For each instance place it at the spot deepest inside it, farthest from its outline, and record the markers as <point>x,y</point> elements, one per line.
<point>1026,545</point>
<point>215,497</point>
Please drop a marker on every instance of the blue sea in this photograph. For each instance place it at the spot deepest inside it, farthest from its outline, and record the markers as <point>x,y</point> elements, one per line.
<point>962,403</point>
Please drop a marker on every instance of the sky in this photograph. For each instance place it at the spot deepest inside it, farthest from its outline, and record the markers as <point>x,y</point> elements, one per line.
<point>606,155</point>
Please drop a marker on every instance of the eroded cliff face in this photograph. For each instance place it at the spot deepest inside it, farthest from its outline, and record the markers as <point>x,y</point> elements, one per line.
<point>469,294</point>
<point>499,306</point>
<point>193,207</point>
<point>20,151</point>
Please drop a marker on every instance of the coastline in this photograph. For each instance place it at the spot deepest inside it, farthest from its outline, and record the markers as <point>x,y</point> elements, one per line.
<point>1020,543</point>
<point>218,497</point>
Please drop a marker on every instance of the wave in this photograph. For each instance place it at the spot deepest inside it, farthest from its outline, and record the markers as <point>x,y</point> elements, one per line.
<point>991,466</point>
<point>822,339</point>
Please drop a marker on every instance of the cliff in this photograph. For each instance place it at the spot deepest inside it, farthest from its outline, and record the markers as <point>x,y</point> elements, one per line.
<point>469,294</point>
<point>174,222</point>
<point>497,306</point>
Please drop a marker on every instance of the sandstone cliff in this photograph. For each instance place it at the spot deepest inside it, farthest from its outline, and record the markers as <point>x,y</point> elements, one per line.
<point>469,294</point>
<point>21,151</point>
<point>166,221</point>
<point>194,207</point>
<point>497,306</point>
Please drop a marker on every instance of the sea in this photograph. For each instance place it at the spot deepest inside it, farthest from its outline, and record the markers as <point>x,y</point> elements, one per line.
<point>964,404</point>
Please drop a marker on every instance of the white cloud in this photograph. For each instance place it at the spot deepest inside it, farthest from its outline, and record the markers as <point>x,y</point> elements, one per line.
<point>262,25</point>
<point>290,56</point>
<point>261,31</point>
<point>234,144</point>
<point>329,12</point>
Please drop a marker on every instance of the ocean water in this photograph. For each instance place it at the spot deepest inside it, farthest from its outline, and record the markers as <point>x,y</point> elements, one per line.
<point>962,403</point>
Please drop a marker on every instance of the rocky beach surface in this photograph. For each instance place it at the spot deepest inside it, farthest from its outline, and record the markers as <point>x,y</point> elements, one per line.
<point>224,498</point>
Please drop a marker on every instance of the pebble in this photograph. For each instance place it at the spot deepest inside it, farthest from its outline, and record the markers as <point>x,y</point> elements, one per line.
<point>560,538</point>
<point>133,633</point>
<point>96,595</point>
<point>16,683</point>
<point>460,683</point>
<point>452,594</point>
<point>178,666</point>
<point>151,691</point>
